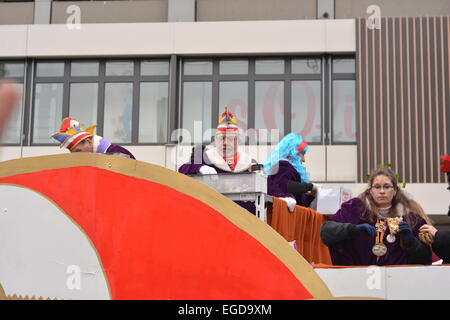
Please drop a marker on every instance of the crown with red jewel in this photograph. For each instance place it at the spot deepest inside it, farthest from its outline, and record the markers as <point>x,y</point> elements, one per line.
<point>72,133</point>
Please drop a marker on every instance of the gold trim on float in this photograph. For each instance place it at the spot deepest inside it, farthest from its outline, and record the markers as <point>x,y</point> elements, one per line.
<point>3,296</point>
<point>237,215</point>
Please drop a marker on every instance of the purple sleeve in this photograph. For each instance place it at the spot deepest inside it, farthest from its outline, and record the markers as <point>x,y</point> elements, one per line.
<point>349,211</point>
<point>189,168</point>
<point>277,183</point>
<point>116,149</point>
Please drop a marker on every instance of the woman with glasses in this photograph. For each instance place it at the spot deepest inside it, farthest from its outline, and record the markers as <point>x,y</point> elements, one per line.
<point>379,227</point>
<point>287,176</point>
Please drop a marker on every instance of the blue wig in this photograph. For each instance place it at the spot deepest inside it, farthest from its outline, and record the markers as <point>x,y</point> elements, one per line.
<point>287,150</point>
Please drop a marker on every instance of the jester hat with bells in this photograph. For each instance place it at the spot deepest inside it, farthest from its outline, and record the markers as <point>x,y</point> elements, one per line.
<point>72,133</point>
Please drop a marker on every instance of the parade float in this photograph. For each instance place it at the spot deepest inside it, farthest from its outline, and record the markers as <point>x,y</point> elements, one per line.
<point>90,226</point>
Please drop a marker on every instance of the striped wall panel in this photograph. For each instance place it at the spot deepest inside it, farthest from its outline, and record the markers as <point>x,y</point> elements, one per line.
<point>403,96</point>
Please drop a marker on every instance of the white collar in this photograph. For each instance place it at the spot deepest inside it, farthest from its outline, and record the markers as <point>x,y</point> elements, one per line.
<point>244,161</point>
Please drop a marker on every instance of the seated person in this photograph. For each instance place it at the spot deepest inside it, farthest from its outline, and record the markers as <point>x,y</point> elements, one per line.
<point>223,156</point>
<point>379,227</point>
<point>438,239</point>
<point>287,177</point>
<point>77,139</point>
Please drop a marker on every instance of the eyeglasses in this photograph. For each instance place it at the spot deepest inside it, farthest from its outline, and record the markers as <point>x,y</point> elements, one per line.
<point>386,187</point>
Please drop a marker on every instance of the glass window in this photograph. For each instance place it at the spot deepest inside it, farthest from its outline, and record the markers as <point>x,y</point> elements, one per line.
<point>119,68</point>
<point>84,69</point>
<point>269,110</point>
<point>306,109</point>
<point>12,131</point>
<point>197,106</point>
<point>83,102</point>
<point>50,69</point>
<point>118,112</point>
<point>234,95</point>
<point>12,69</point>
<point>344,65</point>
<point>153,112</point>
<point>154,68</point>
<point>47,111</point>
<point>306,66</point>
<point>269,67</point>
<point>233,67</point>
<point>344,111</point>
<point>198,68</point>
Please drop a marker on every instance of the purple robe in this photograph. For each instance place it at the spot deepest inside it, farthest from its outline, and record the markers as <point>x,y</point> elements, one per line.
<point>106,147</point>
<point>358,250</point>
<point>277,184</point>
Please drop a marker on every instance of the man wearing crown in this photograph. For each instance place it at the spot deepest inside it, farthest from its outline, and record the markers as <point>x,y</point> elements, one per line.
<point>74,137</point>
<point>222,156</point>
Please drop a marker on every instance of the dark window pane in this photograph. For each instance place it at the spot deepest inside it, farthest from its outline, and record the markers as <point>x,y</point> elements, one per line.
<point>84,69</point>
<point>83,102</point>
<point>306,110</point>
<point>197,105</point>
<point>234,95</point>
<point>50,69</point>
<point>47,111</point>
<point>269,67</point>
<point>118,112</point>
<point>344,110</point>
<point>306,66</point>
<point>154,68</point>
<point>198,68</point>
<point>119,68</point>
<point>269,110</point>
<point>12,69</point>
<point>11,133</point>
<point>344,65</point>
<point>153,112</point>
<point>233,67</point>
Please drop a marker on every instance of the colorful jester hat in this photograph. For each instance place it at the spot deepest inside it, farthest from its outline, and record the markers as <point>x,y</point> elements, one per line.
<point>71,133</point>
<point>227,123</point>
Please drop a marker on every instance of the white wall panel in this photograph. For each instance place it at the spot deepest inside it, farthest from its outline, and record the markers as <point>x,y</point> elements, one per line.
<point>14,41</point>
<point>342,163</point>
<point>190,38</point>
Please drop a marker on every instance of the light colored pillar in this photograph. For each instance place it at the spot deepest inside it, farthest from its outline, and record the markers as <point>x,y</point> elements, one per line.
<point>325,9</point>
<point>42,11</point>
<point>181,11</point>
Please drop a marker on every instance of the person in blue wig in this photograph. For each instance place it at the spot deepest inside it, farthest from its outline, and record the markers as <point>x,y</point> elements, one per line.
<point>287,177</point>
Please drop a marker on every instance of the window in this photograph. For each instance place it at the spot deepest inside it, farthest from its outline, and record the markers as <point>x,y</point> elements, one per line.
<point>343,97</point>
<point>274,96</point>
<point>153,112</point>
<point>307,110</point>
<point>15,71</point>
<point>127,99</point>
<point>48,102</point>
<point>269,111</point>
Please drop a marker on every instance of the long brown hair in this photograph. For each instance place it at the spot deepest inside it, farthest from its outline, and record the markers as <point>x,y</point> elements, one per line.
<point>412,210</point>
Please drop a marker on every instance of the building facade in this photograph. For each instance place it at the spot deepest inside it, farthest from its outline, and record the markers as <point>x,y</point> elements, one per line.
<point>365,82</point>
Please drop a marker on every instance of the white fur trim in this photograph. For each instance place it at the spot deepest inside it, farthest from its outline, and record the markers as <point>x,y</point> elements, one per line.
<point>244,161</point>
<point>96,141</point>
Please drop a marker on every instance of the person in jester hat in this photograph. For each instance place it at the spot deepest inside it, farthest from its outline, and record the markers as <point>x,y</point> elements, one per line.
<point>75,138</point>
<point>222,156</point>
